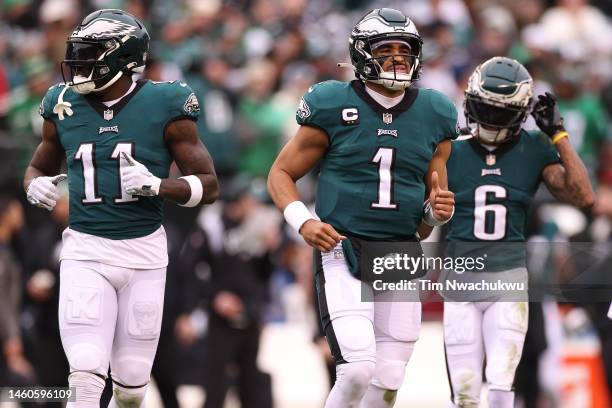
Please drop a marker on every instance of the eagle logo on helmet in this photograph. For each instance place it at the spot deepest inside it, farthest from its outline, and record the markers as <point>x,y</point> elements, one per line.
<point>104,28</point>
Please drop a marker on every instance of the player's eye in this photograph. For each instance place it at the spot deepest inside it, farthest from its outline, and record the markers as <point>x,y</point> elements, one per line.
<point>83,52</point>
<point>404,50</point>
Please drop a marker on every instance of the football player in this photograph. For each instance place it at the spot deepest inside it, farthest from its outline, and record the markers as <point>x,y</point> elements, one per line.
<point>118,137</point>
<point>382,147</point>
<point>495,175</point>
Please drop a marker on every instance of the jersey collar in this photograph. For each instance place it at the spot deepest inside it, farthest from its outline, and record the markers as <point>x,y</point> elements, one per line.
<point>409,97</point>
<point>116,108</point>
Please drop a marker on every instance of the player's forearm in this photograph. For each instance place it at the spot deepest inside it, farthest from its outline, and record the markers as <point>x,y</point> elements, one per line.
<point>180,191</point>
<point>424,230</point>
<point>282,188</point>
<point>30,174</point>
<point>577,189</point>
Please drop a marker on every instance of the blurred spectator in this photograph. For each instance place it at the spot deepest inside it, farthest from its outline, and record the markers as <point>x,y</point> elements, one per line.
<point>20,13</point>
<point>234,240</point>
<point>216,123</point>
<point>5,98</point>
<point>578,30</point>
<point>14,368</point>
<point>169,370</point>
<point>583,113</point>
<point>41,328</point>
<point>261,119</point>
<point>601,231</point>
<point>23,117</point>
<point>24,122</point>
<point>495,34</point>
<point>58,18</point>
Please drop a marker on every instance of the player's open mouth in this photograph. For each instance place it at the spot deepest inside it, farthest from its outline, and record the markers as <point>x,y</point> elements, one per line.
<point>400,69</point>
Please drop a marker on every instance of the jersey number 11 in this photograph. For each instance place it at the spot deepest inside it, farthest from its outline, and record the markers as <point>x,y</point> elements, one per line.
<point>86,155</point>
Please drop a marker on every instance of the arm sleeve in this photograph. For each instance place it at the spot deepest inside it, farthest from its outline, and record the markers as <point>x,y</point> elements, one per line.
<point>45,109</point>
<point>183,102</point>
<point>548,152</point>
<point>310,111</point>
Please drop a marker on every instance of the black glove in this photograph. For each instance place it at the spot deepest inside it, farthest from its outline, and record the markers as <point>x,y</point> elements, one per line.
<point>546,114</point>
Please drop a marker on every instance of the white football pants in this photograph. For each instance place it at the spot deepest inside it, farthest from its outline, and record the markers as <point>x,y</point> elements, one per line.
<point>473,330</point>
<point>110,315</point>
<point>371,341</point>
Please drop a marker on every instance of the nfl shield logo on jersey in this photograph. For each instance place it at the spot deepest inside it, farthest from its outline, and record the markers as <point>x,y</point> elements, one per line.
<point>387,118</point>
<point>108,114</point>
<point>490,159</point>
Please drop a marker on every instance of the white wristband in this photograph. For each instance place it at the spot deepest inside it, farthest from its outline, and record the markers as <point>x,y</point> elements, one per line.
<point>296,214</point>
<point>430,219</point>
<point>197,191</point>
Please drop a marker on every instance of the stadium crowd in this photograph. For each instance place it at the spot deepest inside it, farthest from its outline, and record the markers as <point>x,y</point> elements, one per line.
<point>249,62</point>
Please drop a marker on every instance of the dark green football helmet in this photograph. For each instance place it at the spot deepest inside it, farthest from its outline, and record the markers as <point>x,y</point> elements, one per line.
<point>498,99</point>
<point>385,25</point>
<point>104,46</point>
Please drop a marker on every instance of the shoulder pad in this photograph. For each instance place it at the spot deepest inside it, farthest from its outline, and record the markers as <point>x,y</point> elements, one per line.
<point>327,94</point>
<point>537,136</point>
<point>181,100</point>
<point>45,109</point>
<point>441,103</point>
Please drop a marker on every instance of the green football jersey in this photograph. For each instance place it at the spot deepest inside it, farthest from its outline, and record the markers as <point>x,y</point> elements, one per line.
<point>94,137</point>
<point>371,180</point>
<point>493,195</point>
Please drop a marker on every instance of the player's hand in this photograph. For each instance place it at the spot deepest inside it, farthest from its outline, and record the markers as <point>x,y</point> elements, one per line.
<point>546,114</point>
<point>442,201</point>
<point>320,235</point>
<point>42,191</point>
<point>136,179</point>
<point>229,306</point>
<point>186,333</point>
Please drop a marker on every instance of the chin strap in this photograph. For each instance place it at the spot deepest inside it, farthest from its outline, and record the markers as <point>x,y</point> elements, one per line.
<point>61,106</point>
<point>109,83</point>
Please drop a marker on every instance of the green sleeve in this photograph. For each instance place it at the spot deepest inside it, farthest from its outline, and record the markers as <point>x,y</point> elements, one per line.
<point>45,108</point>
<point>312,109</point>
<point>183,102</point>
<point>548,151</point>
<point>448,127</point>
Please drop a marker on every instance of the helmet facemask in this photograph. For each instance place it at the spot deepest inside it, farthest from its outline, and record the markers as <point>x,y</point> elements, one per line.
<point>495,122</point>
<point>88,64</point>
<point>395,70</point>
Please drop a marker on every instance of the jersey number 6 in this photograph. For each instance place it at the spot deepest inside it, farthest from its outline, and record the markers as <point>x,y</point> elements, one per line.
<point>498,211</point>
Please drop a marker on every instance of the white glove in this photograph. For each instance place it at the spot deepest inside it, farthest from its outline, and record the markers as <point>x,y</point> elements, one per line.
<point>42,191</point>
<point>136,179</point>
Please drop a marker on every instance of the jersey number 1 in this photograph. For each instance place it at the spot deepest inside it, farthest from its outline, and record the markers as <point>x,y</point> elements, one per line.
<point>385,159</point>
<point>481,208</point>
<point>86,155</point>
